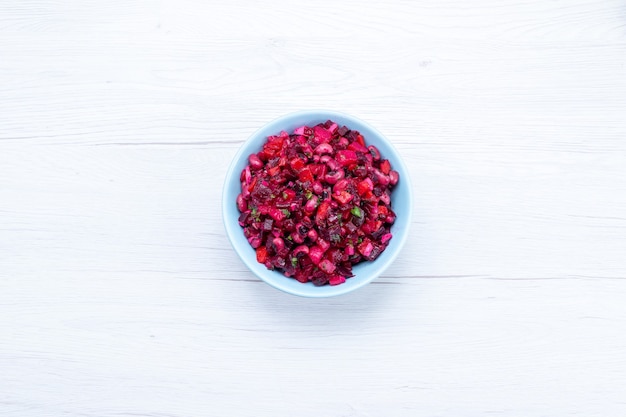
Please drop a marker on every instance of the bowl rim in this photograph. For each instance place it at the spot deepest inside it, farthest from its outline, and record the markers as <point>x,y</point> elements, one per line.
<point>304,290</point>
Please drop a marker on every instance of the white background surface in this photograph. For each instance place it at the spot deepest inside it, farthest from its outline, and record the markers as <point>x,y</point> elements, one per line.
<point>120,294</point>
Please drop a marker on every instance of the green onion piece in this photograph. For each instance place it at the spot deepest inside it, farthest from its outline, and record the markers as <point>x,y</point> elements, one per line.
<point>356,211</point>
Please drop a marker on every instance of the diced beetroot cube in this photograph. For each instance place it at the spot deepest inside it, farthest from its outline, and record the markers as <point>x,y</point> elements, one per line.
<point>321,134</point>
<point>357,147</point>
<point>273,171</point>
<point>364,186</point>
<point>346,157</point>
<point>299,130</point>
<point>276,214</point>
<point>252,184</point>
<point>334,255</point>
<point>323,170</point>
<point>369,196</point>
<point>301,277</point>
<point>372,210</point>
<point>365,248</point>
<point>273,146</point>
<point>319,281</point>
<point>385,167</point>
<point>324,245</point>
<point>297,164</point>
<point>261,254</point>
<point>318,170</point>
<point>322,212</point>
<point>288,194</point>
<point>340,186</point>
<point>315,169</point>
<point>344,197</point>
<point>305,175</point>
<point>371,226</point>
<point>316,253</point>
<point>327,266</point>
<point>382,210</point>
<point>336,280</point>
<point>376,251</point>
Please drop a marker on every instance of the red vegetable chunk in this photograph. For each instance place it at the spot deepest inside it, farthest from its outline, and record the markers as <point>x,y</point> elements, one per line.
<point>317,202</point>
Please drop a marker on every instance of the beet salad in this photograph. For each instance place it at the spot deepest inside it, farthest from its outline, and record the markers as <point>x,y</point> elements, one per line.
<point>316,202</point>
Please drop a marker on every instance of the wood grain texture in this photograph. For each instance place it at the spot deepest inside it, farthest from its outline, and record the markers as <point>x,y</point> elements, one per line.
<point>120,294</point>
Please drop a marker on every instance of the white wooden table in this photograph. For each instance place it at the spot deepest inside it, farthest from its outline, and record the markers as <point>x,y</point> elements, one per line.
<point>120,295</point>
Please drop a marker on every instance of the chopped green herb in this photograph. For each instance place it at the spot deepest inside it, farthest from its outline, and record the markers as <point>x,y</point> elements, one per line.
<point>286,212</point>
<point>308,194</point>
<point>285,195</point>
<point>357,211</point>
<point>294,261</point>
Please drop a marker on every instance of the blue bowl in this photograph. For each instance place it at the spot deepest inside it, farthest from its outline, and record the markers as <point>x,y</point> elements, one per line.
<point>365,272</point>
